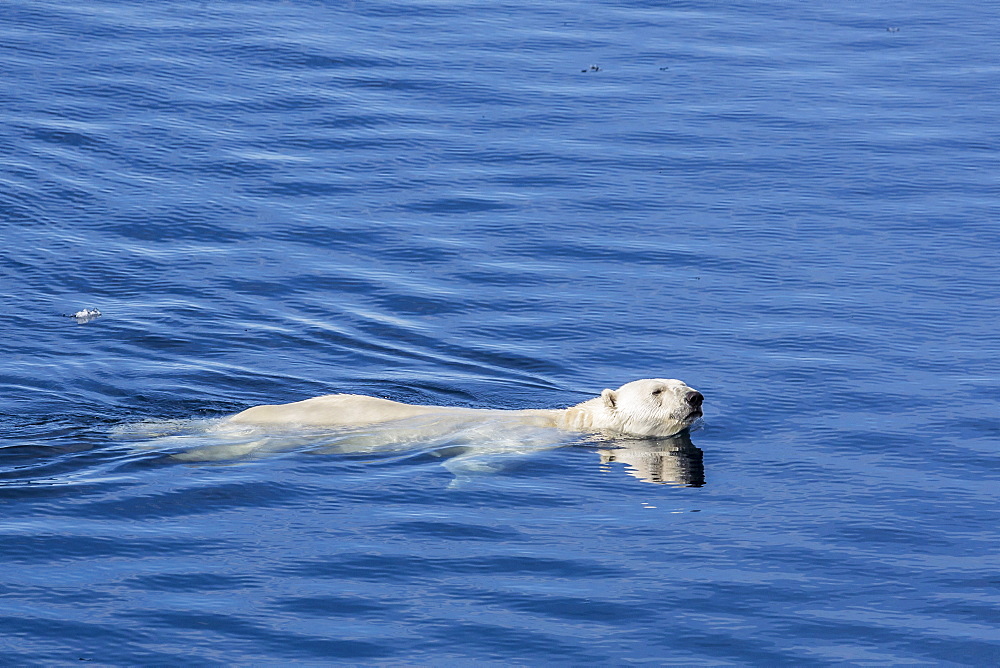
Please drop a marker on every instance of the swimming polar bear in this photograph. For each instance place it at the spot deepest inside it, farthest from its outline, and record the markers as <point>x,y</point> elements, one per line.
<point>648,408</point>
<point>642,424</point>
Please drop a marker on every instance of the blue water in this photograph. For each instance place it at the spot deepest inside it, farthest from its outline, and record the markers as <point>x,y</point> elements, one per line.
<point>793,207</point>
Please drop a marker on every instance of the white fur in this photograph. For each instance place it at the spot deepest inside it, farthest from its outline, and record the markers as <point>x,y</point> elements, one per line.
<point>654,407</point>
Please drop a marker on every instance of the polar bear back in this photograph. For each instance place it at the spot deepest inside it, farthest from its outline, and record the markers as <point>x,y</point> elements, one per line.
<point>334,410</point>
<point>655,407</point>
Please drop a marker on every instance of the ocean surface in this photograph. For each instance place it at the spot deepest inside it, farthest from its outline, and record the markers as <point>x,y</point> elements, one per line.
<point>793,207</point>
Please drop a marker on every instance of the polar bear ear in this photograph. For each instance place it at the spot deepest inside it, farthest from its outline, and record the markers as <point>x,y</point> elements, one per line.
<point>610,398</point>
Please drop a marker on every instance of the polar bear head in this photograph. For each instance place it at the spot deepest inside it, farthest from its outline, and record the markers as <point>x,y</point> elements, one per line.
<point>651,407</point>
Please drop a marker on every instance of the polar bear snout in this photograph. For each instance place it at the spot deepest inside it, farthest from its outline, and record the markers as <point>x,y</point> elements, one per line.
<point>694,399</point>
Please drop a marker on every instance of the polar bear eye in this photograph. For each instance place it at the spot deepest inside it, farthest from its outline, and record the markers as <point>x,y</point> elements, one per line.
<point>659,391</point>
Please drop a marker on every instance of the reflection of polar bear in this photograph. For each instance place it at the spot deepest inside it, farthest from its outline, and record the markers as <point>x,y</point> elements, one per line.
<point>654,407</point>
<point>664,461</point>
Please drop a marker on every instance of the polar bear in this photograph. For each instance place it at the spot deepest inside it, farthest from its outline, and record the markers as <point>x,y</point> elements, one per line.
<point>648,408</point>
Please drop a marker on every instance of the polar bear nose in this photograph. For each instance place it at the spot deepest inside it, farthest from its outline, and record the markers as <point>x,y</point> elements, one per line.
<point>694,399</point>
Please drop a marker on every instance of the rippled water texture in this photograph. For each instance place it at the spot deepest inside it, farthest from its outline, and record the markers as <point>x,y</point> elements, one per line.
<point>792,207</point>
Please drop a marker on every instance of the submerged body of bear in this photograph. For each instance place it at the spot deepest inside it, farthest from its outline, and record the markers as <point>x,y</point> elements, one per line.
<point>653,407</point>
